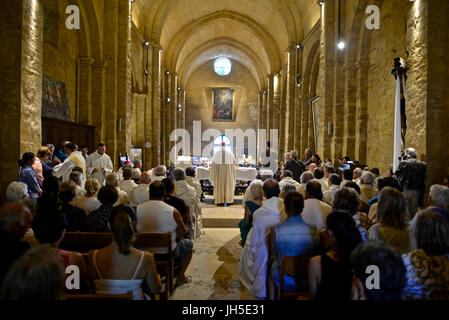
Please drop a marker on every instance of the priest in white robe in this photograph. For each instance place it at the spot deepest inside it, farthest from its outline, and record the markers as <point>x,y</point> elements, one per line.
<point>75,159</point>
<point>222,175</point>
<point>99,165</point>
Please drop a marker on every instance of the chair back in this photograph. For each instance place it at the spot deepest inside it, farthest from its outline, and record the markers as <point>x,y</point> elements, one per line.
<point>85,241</point>
<point>293,266</point>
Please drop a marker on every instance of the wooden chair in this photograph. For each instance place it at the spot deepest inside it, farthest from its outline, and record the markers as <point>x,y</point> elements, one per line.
<point>164,262</point>
<point>99,297</point>
<point>297,267</point>
<point>85,241</point>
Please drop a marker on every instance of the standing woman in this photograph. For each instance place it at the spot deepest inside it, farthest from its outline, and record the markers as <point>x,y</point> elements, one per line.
<point>28,176</point>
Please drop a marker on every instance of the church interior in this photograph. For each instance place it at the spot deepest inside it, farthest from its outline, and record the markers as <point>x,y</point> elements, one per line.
<point>358,82</point>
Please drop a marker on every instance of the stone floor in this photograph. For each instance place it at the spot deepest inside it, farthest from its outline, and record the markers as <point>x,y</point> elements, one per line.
<point>222,217</point>
<point>214,268</point>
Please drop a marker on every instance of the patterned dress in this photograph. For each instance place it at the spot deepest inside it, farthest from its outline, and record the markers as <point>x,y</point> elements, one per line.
<point>427,276</point>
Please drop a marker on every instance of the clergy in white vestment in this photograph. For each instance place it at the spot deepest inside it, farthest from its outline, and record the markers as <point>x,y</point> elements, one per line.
<point>75,159</point>
<point>99,165</point>
<point>254,258</point>
<point>222,175</point>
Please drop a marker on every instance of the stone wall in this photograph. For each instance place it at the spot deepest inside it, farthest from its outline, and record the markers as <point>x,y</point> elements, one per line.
<point>199,98</point>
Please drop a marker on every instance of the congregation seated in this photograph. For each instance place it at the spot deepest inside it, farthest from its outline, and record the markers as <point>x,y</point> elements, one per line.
<point>367,191</point>
<point>381,183</point>
<point>191,181</point>
<point>330,275</point>
<point>334,182</point>
<point>137,172</point>
<point>124,208</point>
<point>252,203</point>
<point>287,178</point>
<point>305,178</point>
<point>127,184</point>
<point>89,201</point>
<point>98,220</point>
<point>393,217</point>
<point>188,194</point>
<point>328,170</point>
<point>15,220</point>
<point>294,238</point>
<point>120,268</point>
<point>158,217</point>
<point>76,217</point>
<point>438,203</point>
<point>140,194</point>
<point>77,179</point>
<point>36,276</point>
<point>392,272</point>
<point>49,228</point>
<point>347,177</point>
<point>428,266</point>
<point>346,199</point>
<point>287,188</point>
<point>318,175</point>
<point>177,203</point>
<point>315,210</point>
<point>254,257</point>
<point>363,206</point>
<point>263,176</point>
<point>112,180</point>
<point>16,191</point>
<point>159,173</point>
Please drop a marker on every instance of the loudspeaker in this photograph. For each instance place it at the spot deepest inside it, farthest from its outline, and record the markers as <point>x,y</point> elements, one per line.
<point>330,128</point>
<point>119,124</point>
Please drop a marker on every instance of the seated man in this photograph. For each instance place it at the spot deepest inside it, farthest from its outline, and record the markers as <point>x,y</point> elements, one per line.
<point>287,178</point>
<point>318,174</point>
<point>16,191</point>
<point>315,210</point>
<point>159,173</point>
<point>159,217</point>
<point>127,184</point>
<point>367,190</point>
<point>15,220</point>
<point>305,178</point>
<point>141,193</point>
<point>334,185</point>
<point>188,194</point>
<point>254,258</point>
<point>78,178</point>
<point>137,172</point>
<point>112,181</point>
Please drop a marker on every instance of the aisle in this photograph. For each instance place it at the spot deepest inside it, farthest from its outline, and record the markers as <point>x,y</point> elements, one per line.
<point>214,268</point>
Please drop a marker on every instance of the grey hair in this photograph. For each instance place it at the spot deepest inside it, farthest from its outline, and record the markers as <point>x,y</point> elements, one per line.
<point>440,195</point>
<point>294,154</point>
<point>368,177</point>
<point>287,188</point>
<point>357,170</point>
<point>16,191</point>
<point>112,179</point>
<point>50,146</point>
<point>76,176</point>
<point>15,212</point>
<point>179,174</point>
<point>160,171</point>
<point>255,191</point>
<point>411,153</point>
<point>306,177</point>
<point>287,173</point>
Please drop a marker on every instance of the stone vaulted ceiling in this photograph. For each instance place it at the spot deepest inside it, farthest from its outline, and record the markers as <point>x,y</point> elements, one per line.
<point>255,32</point>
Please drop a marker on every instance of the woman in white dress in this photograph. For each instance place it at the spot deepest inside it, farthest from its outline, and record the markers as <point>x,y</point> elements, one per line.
<point>120,268</point>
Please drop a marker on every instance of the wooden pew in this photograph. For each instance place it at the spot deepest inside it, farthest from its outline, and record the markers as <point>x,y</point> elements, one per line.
<point>85,241</point>
<point>297,267</point>
<point>99,297</point>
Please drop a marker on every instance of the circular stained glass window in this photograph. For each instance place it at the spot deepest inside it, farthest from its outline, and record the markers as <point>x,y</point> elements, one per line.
<point>223,66</point>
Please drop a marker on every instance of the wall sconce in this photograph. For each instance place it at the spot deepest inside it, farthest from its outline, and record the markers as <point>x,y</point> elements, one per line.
<point>341,44</point>
<point>119,124</point>
<point>298,70</point>
<point>146,45</point>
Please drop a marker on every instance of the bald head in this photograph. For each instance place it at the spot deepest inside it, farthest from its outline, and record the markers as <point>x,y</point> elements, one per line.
<point>145,178</point>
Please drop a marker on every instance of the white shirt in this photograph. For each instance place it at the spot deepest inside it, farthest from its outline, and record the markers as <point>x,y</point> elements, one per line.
<point>87,204</point>
<point>80,192</point>
<point>127,186</point>
<point>122,197</point>
<point>157,216</point>
<point>315,213</point>
<point>139,195</point>
<point>64,169</point>
<point>329,195</point>
<point>289,180</point>
<point>95,160</point>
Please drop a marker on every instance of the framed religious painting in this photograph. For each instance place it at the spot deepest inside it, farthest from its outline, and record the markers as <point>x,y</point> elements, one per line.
<point>223,108</point>
<point>55,104</point>
<point>315,119</point>
<point>136,154</point>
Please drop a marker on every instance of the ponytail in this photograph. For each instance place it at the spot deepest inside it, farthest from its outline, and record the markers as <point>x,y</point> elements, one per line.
<point>27,156</point>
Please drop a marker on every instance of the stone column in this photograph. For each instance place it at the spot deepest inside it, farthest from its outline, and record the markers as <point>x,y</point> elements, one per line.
<point>350,107</point>
<point>290,99</point>
<point>156,105</point>
<point>124,77</point>
<point>21,55</point>
<point>305,123</point>
<point>298,98</point>
<point>277,108</point>
<point>98,110</point>
<point>85,89</point>
<point>270,105</point>
<point>338,109</point>
<point>361,121</point>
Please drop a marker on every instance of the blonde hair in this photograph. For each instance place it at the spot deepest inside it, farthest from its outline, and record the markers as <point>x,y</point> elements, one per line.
<point>255,191</point>
<point>43,151</point>
<point>92,186</point>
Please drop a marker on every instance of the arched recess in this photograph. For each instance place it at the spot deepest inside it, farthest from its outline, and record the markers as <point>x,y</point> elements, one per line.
<point>212,49</point>
<point>186,32</point>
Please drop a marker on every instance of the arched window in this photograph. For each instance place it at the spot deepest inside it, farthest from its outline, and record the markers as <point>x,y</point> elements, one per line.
<point>223,66</point>
<point>219,140</point>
